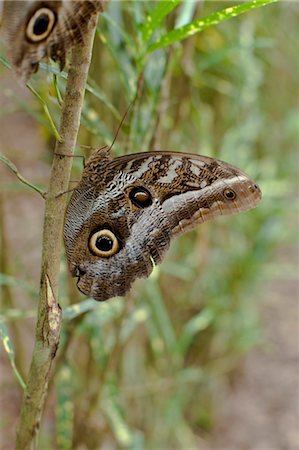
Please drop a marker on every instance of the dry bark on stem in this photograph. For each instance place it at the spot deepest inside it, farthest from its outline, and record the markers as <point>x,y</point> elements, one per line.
<point>49,312</point>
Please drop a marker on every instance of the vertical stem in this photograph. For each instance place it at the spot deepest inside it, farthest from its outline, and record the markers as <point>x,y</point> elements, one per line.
<point>49,312</point>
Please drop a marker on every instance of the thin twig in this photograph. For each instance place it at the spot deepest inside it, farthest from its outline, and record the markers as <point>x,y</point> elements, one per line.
<point>49,312</point>
<point>23,180</point>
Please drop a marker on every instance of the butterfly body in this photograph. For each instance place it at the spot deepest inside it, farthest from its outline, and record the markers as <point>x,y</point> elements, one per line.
<point>125,211</point>
<point>37,29</point>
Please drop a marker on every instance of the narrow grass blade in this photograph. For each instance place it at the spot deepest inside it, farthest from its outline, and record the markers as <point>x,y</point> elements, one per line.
<point>4,62</point>
<point>94,89</point>
<point>108,311</point>
<point>65,408</point>
<point>8,280</point>
<point>198,323</point>
<point>14,169</point>
<point>16,314</point>
<point>73,311</point>
<point>196,26</point>
<point>120,428</point>
<point>156,16</point>
<point>10,352</point>
<point>46,111</point>
<point>160,314</point>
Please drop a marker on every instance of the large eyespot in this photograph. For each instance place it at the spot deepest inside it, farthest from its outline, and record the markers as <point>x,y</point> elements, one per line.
<point>140,197</point>
<point>103,243</point>
<point>229,194</point>
<point>40,25</point>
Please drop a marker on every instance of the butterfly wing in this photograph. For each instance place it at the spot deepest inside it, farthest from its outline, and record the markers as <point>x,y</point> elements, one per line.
<point>35,29</point>
<point>192,188</point>
<point>144,200</point>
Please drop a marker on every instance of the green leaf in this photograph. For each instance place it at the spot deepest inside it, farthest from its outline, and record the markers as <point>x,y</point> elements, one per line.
<point>201,24</point>
<point>198,323</point>
<point>186,12</point>
<point>73,311</point>
<point>114,20</point>
<point>121,47</point>
<point>156,16</point>
<point>108,311</point>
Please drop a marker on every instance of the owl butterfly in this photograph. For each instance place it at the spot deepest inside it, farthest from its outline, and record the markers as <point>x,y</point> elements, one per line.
<point>125,211</point>
<point>35,29</point>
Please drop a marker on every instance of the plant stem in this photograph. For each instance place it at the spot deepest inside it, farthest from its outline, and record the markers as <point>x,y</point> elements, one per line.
<point>49,311</point>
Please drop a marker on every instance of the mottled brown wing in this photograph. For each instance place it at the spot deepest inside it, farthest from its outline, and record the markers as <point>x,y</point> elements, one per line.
<point>35,29</point>
<point>125,211</point>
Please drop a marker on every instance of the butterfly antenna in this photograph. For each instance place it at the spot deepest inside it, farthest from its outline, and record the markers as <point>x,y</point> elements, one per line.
<point>121,122</point>
<point>139,88</point>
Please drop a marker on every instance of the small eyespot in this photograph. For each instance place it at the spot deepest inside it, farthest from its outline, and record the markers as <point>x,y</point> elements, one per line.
<point>103,243</point>
<point>229,194</point>
<point>253,188</point>
<point>40,25</point>
<point>140,197</point>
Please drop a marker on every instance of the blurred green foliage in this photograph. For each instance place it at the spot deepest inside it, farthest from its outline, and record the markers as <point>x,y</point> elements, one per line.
<point>146,371</point>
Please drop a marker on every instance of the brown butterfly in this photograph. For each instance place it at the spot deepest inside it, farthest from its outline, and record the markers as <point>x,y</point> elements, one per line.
<point>125,211</point>
<point>35,29</point>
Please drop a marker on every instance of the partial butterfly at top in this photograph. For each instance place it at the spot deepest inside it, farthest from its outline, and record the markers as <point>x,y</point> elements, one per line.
<point>35,29</point>
<point>125,211</point>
